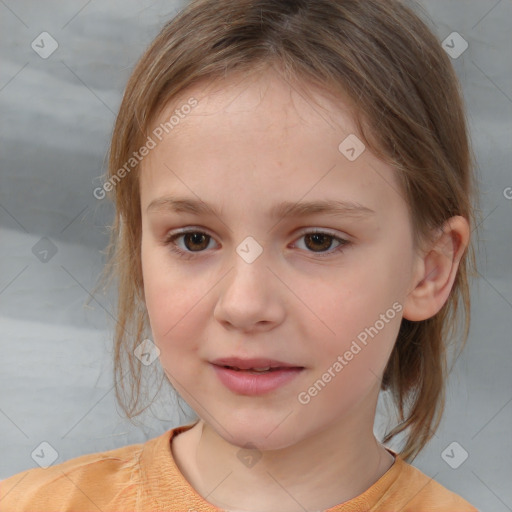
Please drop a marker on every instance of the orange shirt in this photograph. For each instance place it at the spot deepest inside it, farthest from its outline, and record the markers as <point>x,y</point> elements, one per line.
<point>144,477</point>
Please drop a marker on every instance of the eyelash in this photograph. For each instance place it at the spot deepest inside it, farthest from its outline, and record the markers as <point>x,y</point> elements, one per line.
<point>169,241</point>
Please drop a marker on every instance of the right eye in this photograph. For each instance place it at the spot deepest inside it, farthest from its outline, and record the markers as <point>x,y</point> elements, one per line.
<point>190,238</point>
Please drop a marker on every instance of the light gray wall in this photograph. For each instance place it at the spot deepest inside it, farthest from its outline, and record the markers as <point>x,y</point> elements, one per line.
<point>57,114</point>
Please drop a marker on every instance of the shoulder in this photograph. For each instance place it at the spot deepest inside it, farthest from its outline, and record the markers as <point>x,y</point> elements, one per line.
<point>84,482</point>
<point>418,492</point>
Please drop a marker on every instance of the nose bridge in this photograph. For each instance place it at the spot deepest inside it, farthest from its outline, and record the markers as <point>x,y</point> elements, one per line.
<point>250,250</point>
<point>249,265</point>
<point>248,296</point>
<point>253,242</point>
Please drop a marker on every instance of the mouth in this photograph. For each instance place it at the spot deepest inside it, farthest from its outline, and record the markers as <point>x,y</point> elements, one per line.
<point>251,378</point>
<point>255,365</point>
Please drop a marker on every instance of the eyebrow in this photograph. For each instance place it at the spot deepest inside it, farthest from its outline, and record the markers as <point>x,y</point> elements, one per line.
<point>281,210</point>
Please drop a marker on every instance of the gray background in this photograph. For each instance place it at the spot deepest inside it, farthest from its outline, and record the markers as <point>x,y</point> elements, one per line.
<point>56,118</point>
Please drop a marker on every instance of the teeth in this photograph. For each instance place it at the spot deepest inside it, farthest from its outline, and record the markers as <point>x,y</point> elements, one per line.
<point>251,369</point>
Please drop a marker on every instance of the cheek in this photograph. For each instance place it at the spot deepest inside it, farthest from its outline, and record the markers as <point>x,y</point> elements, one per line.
<point>362,308</point>
<point>175,299</point>
<point>355,297</point>
<point>165,301</point>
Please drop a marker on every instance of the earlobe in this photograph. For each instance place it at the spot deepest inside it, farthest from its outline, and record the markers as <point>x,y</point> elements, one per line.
<point>437,270</point>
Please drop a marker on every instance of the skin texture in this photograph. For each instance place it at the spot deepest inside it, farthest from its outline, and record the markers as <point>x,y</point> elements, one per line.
<point>246,146</point>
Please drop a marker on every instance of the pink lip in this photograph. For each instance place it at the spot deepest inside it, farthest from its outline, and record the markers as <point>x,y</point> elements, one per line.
<point>245,382</point>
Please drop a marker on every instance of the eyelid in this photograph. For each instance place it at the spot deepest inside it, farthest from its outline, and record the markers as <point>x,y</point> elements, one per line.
<point>184,231</point>
<point>326,231</point>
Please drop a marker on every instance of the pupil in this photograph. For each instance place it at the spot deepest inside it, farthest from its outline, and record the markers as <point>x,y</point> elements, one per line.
<point>196,239</point>
<point>318,237</point>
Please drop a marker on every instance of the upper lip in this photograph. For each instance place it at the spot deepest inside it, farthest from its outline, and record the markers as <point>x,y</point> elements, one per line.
<point>246,364</point>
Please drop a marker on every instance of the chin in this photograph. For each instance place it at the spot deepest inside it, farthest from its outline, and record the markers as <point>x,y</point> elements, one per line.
<point>262,433</point>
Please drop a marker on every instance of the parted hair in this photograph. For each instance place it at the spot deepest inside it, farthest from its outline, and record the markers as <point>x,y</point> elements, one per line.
<point>409,111</point>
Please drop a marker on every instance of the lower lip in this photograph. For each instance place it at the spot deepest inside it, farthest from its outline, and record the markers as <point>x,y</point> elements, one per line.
<point>246,383</point>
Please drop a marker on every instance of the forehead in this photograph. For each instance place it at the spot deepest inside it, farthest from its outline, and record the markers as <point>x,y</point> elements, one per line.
<point>268,98</point>
<point>261,138</point>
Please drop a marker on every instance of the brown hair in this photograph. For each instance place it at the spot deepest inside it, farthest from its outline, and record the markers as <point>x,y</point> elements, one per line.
<point>409,112</point>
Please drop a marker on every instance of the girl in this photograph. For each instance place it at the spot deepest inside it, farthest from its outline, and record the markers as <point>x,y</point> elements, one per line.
<point>293,184</point>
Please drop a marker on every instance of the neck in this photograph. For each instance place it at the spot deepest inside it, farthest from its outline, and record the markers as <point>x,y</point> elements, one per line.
<point>323,470</point>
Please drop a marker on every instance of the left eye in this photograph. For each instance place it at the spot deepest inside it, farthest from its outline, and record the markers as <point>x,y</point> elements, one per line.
<point>313,240</point>
<point>321,240</point>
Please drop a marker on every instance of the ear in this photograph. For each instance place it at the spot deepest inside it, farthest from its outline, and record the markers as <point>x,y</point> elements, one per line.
<point>436,270</point>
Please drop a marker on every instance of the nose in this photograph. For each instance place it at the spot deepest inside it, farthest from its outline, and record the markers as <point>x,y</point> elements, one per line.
<point>250,296</point>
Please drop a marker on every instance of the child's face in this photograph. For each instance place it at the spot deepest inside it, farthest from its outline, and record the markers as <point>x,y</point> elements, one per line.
<point>244,150</point>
